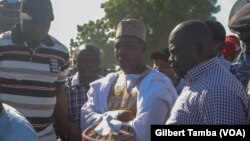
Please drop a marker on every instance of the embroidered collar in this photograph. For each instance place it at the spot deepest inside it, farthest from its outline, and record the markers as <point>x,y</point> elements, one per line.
<point>17,38</point>
<point>194,73</point>
<point>140,78</point>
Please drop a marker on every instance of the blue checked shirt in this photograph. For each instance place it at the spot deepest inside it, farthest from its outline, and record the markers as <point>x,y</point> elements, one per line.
<point>76,97</point>
<point>241,68</point>
<point>211,95</point>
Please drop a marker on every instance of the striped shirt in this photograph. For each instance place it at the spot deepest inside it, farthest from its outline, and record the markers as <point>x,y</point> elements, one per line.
<point>211,95</point>
<point>28,78</point>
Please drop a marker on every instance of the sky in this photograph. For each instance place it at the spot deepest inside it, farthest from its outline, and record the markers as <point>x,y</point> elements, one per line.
<point>70,13</point>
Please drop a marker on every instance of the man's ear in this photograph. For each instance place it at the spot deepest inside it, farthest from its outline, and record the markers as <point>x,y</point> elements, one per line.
<point>202,51</point>
<point>219,45</point>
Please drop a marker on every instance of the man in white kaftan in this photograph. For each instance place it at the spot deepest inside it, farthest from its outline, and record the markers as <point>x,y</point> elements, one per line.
<point>137,96</point>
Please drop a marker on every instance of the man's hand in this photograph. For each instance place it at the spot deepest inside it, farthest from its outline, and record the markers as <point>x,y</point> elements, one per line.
<point>66,129</point>
<point>74,133</point>
<point>125,116</point>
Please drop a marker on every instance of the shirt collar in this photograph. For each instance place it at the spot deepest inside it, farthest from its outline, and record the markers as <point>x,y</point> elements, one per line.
<point>17,38</point>
<point>194,73</point>
<point>75,79</point>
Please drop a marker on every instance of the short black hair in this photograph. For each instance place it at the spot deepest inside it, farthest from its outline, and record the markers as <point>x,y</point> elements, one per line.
<point>217,29</point>
<point>164,54</point>
<point>88,47</point>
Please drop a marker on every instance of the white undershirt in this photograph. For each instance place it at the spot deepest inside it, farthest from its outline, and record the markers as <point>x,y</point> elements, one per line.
<point>131,80</point>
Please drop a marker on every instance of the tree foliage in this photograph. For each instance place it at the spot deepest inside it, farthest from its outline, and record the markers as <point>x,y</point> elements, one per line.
<point>99,34</point>
<point>159,16</point>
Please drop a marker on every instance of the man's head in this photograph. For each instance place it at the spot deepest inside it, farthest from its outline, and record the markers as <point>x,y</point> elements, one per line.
<point>88,61</point>
<point>162,64</point>
<point>160,58</point>
<point>130,46</point>
<point>36,16</point>
<point>9,14</point>
<point>219,34</point>
<point>189,44</point>
<point>239,22</point>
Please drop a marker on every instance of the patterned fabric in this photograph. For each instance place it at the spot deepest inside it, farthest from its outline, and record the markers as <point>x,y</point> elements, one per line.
<point>125,133</point>
<point>211,95</point>
<point>225,62</point>
<point>28,78</point>
<point>241,68</point>
<point>76,97</point>
<point>132,28</point>
<point>248,89</point>
<point>120,98</point>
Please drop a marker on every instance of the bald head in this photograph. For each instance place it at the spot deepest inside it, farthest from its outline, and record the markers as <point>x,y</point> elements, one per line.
<point>194,31</point>
<point>189,44</point>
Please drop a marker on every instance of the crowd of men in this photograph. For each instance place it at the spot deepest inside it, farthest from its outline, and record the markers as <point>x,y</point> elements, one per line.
<point>202,78</point>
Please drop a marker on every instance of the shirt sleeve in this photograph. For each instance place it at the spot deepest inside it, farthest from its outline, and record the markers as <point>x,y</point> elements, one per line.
<point>63,73</point>
<point>90,113</point>
<point>154,109</point>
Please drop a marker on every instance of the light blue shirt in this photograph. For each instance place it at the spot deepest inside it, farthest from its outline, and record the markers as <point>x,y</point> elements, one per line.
<point>179,86</point>
<point>14,127</point>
